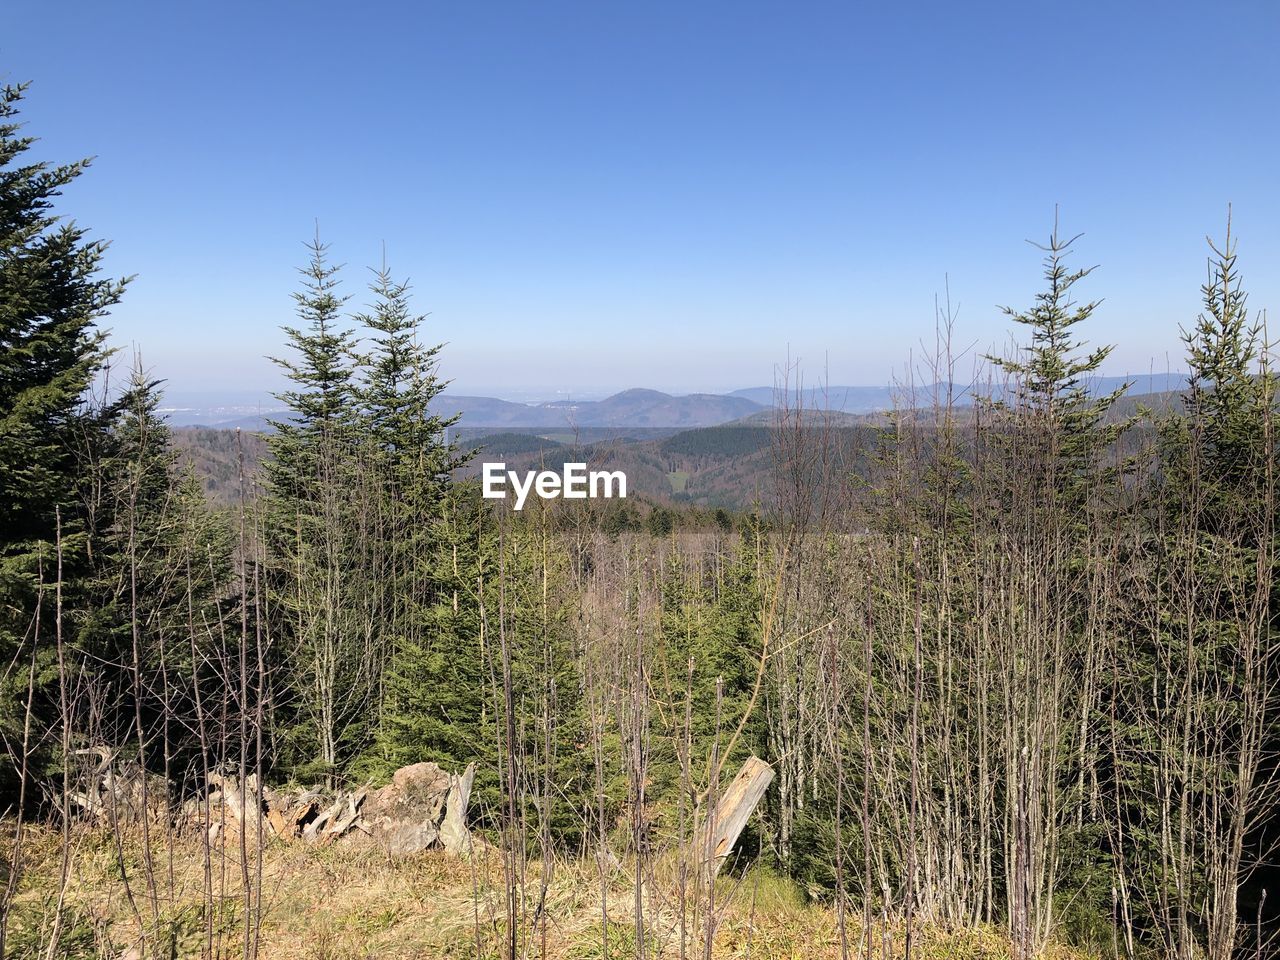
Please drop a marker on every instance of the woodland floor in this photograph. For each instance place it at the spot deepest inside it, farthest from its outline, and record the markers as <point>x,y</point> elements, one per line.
<point>342,904</point>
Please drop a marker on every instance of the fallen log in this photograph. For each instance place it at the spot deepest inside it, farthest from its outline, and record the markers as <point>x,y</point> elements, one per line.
<point>721,830</point>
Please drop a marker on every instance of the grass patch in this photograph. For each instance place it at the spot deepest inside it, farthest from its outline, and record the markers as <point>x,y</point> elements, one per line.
<point>340,903</point>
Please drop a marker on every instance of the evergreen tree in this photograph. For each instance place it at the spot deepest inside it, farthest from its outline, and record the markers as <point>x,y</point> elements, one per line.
<point>52,296</point>
<point>711,632</point>
<point>161,565</point>
<point>1048,479</point>
<point>398,384</point>
<point>320,403</point>
<point>437,703</point>
<point>534,603</point>
<point>1050,376</point>
<point>126,592</point>
<point>1210,657</point>
<point>1227,395</point>
<point>661,522</point>
<point>410,458</point>
<point>316,573</point>
<point>446,700</point>
<point>426,550</point>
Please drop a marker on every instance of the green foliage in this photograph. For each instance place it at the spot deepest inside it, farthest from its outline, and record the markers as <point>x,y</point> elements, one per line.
<point>661,522</point>
<point>1221,433</point>
<point>500,582</point>
<point>160,566</point>
<point>437,705</point>
<point>51,298</point>
<point>711,636</point>
<point>530,608</point>
<point>398,383</point>
<point>615,942</point>
<point>321,407</point>
<point>358,480</point>
<point>29,926</point>
<point>1208,553</point>
<point>1058,426</point>
<point>620,516</point>
<point>726,441</point>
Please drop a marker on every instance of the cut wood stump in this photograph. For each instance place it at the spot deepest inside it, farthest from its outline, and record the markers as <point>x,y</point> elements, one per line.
<point>454,834</point>
<point>720,832</point>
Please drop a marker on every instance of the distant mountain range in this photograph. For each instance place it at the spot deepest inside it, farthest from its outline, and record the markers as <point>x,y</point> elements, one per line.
<point>652,409</point>
<point>877,399</point>
<point>630,408</point>
<point>729,463</point>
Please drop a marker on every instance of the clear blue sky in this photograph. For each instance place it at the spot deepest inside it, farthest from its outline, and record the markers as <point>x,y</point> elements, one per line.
<point>592,195</point>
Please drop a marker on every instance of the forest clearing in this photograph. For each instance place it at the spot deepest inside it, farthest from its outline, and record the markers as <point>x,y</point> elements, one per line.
<point>336,904</point>
<point>990,669</point>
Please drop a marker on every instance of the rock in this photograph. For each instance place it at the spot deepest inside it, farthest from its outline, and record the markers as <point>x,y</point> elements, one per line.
<point>117,791</point>
<point>404,816</point>
<point>289,811</point>
<point>416,793</point>
<point>244,802</point>
<point>404,839</point>
<point>422,807</point>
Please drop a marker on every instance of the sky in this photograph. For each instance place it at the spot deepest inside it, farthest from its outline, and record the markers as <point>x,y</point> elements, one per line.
<point>593,196</point>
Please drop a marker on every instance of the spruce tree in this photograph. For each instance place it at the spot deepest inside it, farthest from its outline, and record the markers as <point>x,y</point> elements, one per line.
<point>316,572</point>
<point>1213,653</point>
<point>424,539</point>
<point>126,591</point>
<point>52,296</point>
<point>711,634</point>
<point>160,568</point>
<point>320,402</point>
<point>436,705</point>
<point>1048,479</point>
<point>546,674</point>
<point>1227,395</point>
<point>399,382</point>
<point>1050,375</point>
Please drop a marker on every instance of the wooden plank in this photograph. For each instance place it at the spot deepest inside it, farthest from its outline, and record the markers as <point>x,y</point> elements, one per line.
<point>737,803</point>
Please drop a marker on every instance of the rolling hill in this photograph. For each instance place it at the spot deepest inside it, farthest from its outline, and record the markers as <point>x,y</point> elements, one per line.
<point>727,462</point>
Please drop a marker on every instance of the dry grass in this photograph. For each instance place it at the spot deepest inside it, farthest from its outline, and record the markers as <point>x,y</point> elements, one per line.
<point>344,904</point>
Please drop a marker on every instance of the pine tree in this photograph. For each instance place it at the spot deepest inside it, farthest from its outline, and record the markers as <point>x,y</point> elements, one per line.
<point>1227,395</point>
<point>535,604</point>
<point>711,636</point>
<point>436,705</point>
<point>127,592</point>
<point>399,382</point>
<point>422,539</point>
<point>1048,479</point>
<point>320,404</point>
<point>314,559</point>
<point>1050,375</point>
<point>161,565</point>
<point>52,296</point>
<point>1212,655</point>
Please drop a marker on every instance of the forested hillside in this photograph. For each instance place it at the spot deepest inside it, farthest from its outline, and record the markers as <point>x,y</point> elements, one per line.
<point>1014,667</point>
